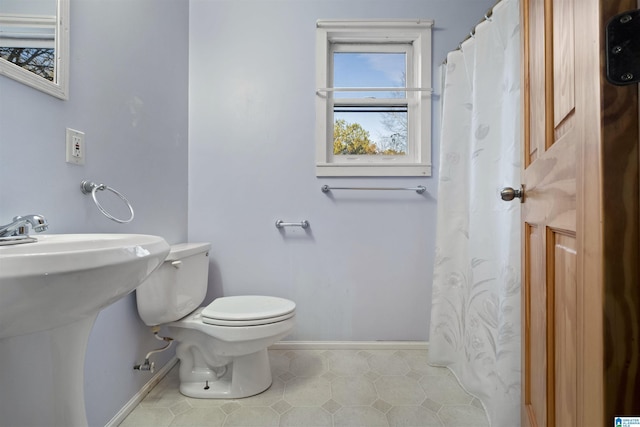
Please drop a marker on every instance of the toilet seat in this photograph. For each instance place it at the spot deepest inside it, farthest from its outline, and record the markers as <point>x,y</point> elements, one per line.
<point>247,310</point>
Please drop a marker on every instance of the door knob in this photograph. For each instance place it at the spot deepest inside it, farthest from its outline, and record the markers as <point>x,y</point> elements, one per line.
<point>508,194</point>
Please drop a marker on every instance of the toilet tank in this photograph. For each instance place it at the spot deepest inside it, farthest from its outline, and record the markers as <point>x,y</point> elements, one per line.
<point>177,287</point>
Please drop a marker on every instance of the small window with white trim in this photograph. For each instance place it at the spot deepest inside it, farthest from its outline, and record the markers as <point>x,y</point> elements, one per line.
<point>373,98</point>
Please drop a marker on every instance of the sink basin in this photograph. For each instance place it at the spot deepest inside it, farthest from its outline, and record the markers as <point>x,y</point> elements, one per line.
<point>50,294</point>
<point>66,277</point>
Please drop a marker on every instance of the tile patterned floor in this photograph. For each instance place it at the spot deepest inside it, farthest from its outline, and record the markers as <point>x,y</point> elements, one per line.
<point>336,388</point>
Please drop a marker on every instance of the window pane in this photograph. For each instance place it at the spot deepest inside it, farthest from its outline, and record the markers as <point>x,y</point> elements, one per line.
<point>370,131</point>
<point>40,61</point>
<point>369,69</point>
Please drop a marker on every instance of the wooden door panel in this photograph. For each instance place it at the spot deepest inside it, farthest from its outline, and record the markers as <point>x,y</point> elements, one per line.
<point>536,101</point>
<point>564,64</point>
<point>534,319</point>
<point>562,248</point>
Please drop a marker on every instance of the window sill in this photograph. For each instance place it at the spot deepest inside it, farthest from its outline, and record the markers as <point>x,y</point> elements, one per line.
<point>333,169</point>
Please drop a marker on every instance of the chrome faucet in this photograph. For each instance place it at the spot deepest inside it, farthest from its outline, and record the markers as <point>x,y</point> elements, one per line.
<point>20,225</point>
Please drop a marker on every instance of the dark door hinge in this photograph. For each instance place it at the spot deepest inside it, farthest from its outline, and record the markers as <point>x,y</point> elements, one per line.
<point>623,48</point>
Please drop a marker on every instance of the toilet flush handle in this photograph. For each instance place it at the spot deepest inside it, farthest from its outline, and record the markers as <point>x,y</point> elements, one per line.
<point>176,264</point>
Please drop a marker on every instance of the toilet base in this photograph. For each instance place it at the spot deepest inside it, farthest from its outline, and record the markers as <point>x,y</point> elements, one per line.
<point>246,376</point>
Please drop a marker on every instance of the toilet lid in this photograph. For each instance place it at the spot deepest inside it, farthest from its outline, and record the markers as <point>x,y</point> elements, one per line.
<point>247,310</point>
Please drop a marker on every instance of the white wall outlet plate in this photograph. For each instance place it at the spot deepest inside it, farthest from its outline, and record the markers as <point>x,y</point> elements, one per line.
<point>75,148</point>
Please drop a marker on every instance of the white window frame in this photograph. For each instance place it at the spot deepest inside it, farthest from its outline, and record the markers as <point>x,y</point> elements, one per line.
<point>410,36</point>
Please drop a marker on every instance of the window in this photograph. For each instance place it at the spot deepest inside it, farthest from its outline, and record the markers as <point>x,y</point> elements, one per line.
<point>373,99</point>
<point>29,42</point>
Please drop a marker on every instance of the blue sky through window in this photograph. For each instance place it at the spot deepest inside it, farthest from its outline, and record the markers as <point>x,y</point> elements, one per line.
<point>370,69</point>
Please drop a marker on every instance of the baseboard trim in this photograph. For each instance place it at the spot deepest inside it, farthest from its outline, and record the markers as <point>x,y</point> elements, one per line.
<point>137,398</point>
<point>350,345</point>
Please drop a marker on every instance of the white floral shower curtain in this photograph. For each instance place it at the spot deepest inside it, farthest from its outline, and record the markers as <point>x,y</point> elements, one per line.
<point>475,321</point>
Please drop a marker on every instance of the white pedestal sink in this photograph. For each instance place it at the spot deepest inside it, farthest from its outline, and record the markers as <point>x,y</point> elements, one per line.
<point>50,294</point>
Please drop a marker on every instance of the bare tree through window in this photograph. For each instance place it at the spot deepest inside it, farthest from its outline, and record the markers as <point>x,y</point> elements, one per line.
<point>39,61</point>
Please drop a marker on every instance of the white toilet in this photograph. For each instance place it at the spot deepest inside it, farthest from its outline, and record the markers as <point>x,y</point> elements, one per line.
<point>222,347</point>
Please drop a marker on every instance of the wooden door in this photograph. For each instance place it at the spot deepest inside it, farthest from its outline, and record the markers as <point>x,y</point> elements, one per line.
<point>579,221</point>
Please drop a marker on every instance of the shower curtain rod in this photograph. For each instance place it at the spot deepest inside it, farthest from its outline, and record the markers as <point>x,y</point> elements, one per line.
<point>472,33</point>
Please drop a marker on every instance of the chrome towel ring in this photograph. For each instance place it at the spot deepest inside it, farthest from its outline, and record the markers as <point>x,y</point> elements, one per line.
<point>89,187</point>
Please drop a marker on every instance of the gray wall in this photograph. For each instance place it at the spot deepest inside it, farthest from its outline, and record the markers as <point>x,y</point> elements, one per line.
<point>128,93</point>
<point>363,271</point>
